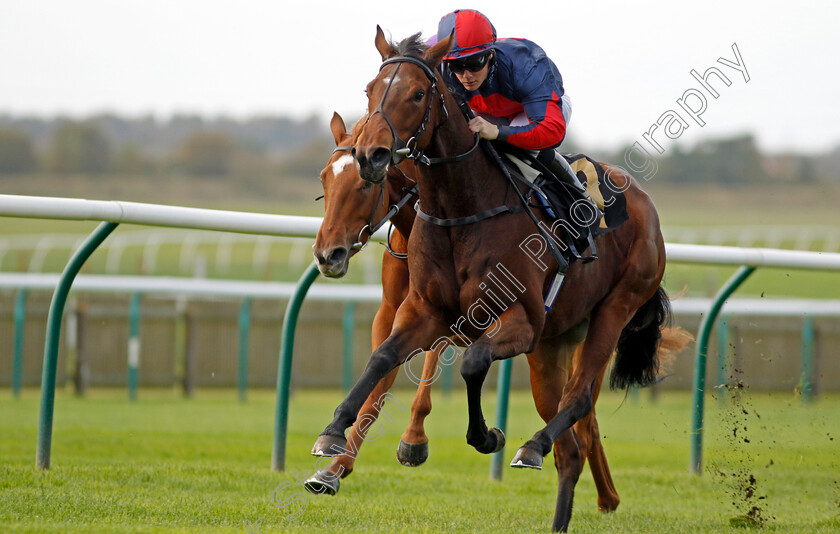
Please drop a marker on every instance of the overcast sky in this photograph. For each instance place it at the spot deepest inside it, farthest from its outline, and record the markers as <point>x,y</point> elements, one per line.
<point>625,64</point>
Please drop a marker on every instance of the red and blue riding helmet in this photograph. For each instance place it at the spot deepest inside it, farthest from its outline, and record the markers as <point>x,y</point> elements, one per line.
<point>474,33</point>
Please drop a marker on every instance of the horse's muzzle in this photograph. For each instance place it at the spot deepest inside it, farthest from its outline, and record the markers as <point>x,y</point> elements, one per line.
<point>333,262</point>
<point>373,164</point>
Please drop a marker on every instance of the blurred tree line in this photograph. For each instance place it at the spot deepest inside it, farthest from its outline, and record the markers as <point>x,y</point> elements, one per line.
<point>184,144</point>
<point>272,146</point>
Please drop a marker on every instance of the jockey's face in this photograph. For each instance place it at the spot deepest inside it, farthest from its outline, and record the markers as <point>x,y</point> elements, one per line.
<point>473,80</point>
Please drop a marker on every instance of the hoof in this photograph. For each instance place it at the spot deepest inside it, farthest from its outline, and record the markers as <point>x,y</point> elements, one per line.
<point>527,457</point>
<point>412,455</point>
<point>327,445</point>
<point>500,439</point>
<point>495,442</point>
<point>322,483</point>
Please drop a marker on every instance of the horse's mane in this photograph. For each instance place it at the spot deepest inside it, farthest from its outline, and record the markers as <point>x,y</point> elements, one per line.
<point>411,46</point>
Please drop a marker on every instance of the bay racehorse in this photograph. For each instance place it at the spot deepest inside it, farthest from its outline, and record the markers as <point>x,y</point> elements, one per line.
<point>352,208</point>
<point>452,268</point>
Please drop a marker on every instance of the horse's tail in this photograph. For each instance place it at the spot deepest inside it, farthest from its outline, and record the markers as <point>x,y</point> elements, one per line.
<point>636,361</point>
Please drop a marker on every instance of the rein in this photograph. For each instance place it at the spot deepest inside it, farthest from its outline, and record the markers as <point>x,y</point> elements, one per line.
<point>408,149</point>
<point>400,150</point>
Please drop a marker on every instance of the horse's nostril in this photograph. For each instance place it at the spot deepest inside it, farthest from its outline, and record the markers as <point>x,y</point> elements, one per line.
<point>353,152</point>
<point>337,256</point>
<point>380,158</point>
<point>361,159</point>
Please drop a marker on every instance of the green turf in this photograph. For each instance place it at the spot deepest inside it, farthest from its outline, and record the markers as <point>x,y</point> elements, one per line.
<point>167,464</point>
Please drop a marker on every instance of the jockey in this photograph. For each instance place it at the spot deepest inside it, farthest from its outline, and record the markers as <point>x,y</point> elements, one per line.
<point>514,88</point>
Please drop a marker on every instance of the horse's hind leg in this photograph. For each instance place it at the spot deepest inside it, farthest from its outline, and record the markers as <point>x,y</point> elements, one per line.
<point>605,327</point>
<point>673,340</point>
<point>569,463</point>
<point>550,365</point>
<point>414,444</point>
<point>589,437</point>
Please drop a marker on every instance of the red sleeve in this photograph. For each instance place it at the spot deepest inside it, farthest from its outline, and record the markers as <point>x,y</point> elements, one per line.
<point>547,130</point>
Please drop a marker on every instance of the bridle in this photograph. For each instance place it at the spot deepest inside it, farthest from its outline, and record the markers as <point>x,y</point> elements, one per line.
<point>400,149</point>
<point>370,227</point>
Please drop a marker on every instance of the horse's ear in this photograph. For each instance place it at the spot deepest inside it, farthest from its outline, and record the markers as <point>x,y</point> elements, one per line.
<point>385,49</point>
<point>337,127</point>
<point>436,53</point>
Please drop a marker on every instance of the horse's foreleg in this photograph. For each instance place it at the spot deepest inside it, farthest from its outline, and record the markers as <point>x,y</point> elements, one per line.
<point>414,330</point>
<point>510,335</point>
<point>414,444</point>
<point>326,480</point>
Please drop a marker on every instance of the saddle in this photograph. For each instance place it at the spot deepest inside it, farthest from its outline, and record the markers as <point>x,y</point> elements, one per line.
<point>593,206</point>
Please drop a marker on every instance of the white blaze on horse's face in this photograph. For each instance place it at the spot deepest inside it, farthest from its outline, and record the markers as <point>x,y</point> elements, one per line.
<point>387,80</point>
<point>342,162</point>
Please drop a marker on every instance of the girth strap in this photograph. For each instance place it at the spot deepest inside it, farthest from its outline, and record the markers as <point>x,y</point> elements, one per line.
<point>470,219</point>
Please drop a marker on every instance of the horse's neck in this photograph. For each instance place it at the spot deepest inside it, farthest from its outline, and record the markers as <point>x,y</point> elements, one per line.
<point>462,188</point>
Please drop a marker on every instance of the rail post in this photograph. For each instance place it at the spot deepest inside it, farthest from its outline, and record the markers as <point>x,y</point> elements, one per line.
<point>244,342</point>
<point>17,359</point>
<point>190,351</point>
<point>806,384</point>
<point>446,379</point>
<point>77,345</point>
<point>348,325</point>
<point>45,422</point>
<point>502,397</point>
<point>133,344</point>
<point>703,336</point>
<point>723,356</point>
<point>284,370</point>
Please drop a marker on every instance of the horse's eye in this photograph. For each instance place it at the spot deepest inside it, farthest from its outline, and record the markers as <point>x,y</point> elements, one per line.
<point>418,96</point>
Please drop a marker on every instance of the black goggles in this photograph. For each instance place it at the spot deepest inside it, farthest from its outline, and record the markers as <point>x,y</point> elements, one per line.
<point>473,63</point>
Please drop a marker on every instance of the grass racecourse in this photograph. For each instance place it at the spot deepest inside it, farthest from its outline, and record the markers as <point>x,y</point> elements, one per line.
<point>201,465</point>
<point>169,464</point>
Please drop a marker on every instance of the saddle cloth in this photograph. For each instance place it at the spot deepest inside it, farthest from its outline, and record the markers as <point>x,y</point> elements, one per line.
<point>602,189</point>
<point>559,199</point>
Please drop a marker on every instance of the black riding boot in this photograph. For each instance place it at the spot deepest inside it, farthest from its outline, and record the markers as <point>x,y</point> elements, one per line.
<point>560,168</point>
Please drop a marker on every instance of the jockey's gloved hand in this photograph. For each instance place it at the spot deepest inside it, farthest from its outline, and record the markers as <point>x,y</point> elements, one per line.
<point>485,129</point>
